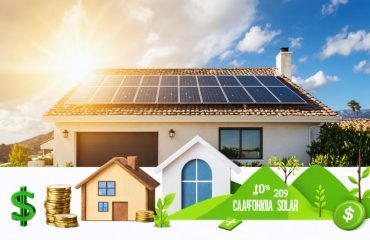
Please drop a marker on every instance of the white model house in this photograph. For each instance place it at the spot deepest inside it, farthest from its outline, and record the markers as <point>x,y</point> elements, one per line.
<point>196,172</point>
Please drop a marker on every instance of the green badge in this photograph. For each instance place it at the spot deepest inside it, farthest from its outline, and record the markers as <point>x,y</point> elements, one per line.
<point>349,215</point>
<point>230,223</point>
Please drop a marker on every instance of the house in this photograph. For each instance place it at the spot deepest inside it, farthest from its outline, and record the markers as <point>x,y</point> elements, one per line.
<point>196,172</point>
<point>248,114</point>
<point>47,146</point>
<point>116,191</point>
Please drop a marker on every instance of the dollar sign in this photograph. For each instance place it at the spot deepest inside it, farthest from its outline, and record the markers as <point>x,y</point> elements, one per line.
<point>27,211</point>
<point>348,214</point>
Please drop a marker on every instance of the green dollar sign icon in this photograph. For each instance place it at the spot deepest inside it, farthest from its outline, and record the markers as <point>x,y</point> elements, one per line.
<point>27,211</point>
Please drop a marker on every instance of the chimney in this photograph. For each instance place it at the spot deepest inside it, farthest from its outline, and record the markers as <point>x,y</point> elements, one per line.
<point>132,161</point>
<point>284,62</point>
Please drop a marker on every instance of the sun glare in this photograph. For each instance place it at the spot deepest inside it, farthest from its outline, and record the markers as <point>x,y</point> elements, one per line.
<point>74,66</point>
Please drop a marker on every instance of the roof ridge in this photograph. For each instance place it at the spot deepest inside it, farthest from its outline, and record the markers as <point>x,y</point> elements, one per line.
<point>138,174</point>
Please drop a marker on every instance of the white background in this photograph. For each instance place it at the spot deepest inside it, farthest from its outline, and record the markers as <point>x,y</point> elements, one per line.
<point>36,180</point>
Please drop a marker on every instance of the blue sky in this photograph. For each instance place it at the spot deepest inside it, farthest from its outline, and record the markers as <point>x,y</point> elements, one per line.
<point>306,22</point>
<point>43,43</point>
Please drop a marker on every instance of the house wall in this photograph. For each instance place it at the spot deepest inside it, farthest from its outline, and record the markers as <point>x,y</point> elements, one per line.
<point>282,139</point>
<point>128,189</point>
<point>172,175</point>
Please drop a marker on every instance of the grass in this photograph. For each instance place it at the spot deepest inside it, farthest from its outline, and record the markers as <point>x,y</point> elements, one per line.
<point>199,209</point>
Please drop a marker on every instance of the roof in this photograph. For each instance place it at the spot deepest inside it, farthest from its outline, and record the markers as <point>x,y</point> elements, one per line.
<point>138,174</point>
<point>204,143</point>
<point>357,123</point>
<point>313,107</point>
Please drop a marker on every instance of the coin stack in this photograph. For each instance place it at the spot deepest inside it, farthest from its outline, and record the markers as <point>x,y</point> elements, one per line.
<point>144,216</point>
<point>57,202</point>
<point>65,220</point>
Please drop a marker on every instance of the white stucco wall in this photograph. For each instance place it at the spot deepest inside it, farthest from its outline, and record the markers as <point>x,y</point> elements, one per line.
<point>282,139</point>
<point>172,174</point>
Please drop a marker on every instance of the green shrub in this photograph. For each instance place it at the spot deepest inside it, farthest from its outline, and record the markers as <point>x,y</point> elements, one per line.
<point>338,143</point>
<point>330,161</point>
<point>69,164</point>
<point>248,164</point>
<point>19,156</point>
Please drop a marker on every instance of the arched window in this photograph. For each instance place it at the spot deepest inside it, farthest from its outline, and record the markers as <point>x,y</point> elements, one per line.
<point>196,182</point>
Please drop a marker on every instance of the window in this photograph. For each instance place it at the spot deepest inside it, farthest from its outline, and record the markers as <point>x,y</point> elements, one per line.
<point>102,206</point>
<point>196,182</point>
<point>107,188</point>
<point>241,143</point>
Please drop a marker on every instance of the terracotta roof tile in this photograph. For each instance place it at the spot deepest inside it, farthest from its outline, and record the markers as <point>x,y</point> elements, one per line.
<point>357,123</point>
<point>138,174</point>
<point>313,108</point>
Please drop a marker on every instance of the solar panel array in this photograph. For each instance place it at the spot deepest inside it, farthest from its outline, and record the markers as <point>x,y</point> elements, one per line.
<point>172,89</point>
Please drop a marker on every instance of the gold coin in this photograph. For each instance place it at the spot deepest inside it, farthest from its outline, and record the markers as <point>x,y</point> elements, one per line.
<point>59,186</point>
<point>65,216</point>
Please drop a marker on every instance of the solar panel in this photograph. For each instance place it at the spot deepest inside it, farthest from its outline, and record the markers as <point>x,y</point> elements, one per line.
<point>212,95</point>
<point>188,81</point>
<point>228,81</point>
<point>261,95</point>
<point>113,81</point>
<point>104,95</point>
<point>207,81</point>
<point>94,81</point>
<point>208,89</point>
<point>189,95</point>
<point>168,95</point>
<point>132,80</point>
<point>150,81</point>
<point>146,95</point>
<point>82,95</point>
<point>248,81</point>
<point>237,94</point>
<point>125,95</point>
<point>169,81</point>
<point>270,81</point>
<point>286,95</point>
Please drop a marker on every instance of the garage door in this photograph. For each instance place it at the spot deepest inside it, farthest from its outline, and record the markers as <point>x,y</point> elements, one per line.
<point>95,149</point>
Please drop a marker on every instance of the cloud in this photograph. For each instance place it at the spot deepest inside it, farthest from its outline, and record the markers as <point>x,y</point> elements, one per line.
<point>226,54</point>
<point>362,66</point>
<point>332,6</point>
<point>344,43</point>
<point>24,121</point>
<point>256,39</point>
<point>152,38</point>
<point>296,42</point>
<point>316,81</point>
<point>303,59</point>
<point>236,63</point>
<point>141,33</point>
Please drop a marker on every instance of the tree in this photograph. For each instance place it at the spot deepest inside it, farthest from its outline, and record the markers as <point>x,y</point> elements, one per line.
<point>19,156</point>
<point>357,181</point>
<point>341,145</point>
<point>288,165</point>
<point>358,108</point>
<point>354,106</point>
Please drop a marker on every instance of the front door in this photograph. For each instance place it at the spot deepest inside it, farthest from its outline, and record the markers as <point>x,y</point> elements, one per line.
<point>120,211</point>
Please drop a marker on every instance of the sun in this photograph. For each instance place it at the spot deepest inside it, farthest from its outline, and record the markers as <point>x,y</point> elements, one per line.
<point>75,65</point>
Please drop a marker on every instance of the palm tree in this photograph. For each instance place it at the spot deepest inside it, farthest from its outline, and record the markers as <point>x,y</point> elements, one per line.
<point>358,108</point>
<point>354,106</point>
